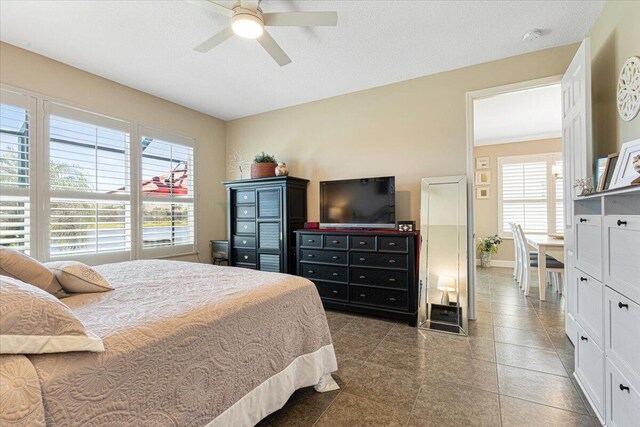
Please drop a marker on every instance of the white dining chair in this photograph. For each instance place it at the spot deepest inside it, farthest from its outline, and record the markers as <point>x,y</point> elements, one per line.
<point>555,268</point>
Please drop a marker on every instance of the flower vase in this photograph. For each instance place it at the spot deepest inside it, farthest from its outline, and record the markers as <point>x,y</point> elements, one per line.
<point>485,259</point>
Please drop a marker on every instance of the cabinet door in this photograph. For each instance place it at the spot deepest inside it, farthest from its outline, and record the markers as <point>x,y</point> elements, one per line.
<point>590,369</point>
<point>269,203</point>
<point>570,294</point>
<point>622,252</point>
<point>589,305</point>
<point>588,249</point>
<point>623,399</point>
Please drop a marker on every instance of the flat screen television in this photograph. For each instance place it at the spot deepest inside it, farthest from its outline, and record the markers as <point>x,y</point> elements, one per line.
<point>358,203</point>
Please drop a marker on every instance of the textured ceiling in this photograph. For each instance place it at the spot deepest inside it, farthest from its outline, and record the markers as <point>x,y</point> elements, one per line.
<point>148,45</point>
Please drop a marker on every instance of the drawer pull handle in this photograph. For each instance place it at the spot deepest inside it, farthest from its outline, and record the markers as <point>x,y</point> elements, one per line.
<point>310,240</point>
<point>334,274</point>
<point>363,277</point>
<point>392,244</point>
<point>311,255</point>
<point>623,388</point>
<point>363,259</point>
<point>246,226</point>
<point>362,243</point>
<point>621,223</point>
<point>244,242</point>
<point>335,242</point>
<point>392,280</point>
<point>310,271</point>
<point>245,211</point>
<point>583,220</point>
<point>583,279</point>
<point>584,338</point>
<point>334,291</point>
<point>363,295</point>
<point>245,197</point>
<point>335,257</point>
<point>392,299</point>
<point>392,261</point>
<point>621,305</point>
<point>246,257</point>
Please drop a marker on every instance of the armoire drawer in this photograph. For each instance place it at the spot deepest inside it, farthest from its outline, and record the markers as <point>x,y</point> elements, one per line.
<point>245,227</point>
<point>245,196</point>
<point>621,243</point>
<point>245,256</point>
<point>588,250</point>
<point>379,277</point>
<point>319,255</point>
<point>378,297</point>
<point>337,291</point>
<point>325,272</point>
<point>378,259</point>
<point>244,242</point>
<point>622,334</point>
<point>623,399</point>
<point>589,368</point>
<point>245,211</point>
<point>589,305</point>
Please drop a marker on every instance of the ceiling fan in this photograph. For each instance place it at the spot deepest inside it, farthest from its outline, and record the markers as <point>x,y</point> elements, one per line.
<point>248,21</point>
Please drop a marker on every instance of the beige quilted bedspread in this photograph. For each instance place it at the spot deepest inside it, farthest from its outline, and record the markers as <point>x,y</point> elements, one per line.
<point>183,342</point>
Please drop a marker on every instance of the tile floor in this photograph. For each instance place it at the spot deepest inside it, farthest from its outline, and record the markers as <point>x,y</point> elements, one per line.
<point>514,369</point>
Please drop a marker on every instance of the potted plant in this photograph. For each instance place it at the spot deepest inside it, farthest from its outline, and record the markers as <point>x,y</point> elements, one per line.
<point>486,247</point>
<point>263,166</point>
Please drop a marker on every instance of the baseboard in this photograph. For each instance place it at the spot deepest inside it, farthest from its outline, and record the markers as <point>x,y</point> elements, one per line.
<point>499,263</point>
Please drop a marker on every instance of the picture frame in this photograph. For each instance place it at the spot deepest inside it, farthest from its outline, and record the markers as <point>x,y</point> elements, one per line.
<point>406,226</point>
<point>624,173</point>
<point>605,179</point>
<point>482,163</point>
<point>483,177</point>
<point>483,192</point>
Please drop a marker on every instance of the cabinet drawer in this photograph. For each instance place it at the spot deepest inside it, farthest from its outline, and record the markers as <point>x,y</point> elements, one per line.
<point>622,254</point>
<point>622,334</point>
<point>623,405</point>
<point>589,361</point>
<point>387,278</point>
<point>335,242</point>
<point>362,243</point>
<point>246,242</point>
<point>245,211</point>
<point>589,309</point>
<point>245,227</point>
<point>588,250</point>
<point>325,272</point>
<point>337,291</point>
<point>379,260</point>
<point>379,297</point>
<point>245,196</point>
<point>310,240</point>
<point>330,257</point>
<point>393,244</point>
<point>245,256</point>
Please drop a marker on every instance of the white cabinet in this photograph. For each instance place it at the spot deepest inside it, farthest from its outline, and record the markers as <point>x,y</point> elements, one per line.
<point>622,254</point>
<point>589,361</point>
<point>588,250</point>
<point>589,295</point>
<point>622,334</point>
<point>623,399</point>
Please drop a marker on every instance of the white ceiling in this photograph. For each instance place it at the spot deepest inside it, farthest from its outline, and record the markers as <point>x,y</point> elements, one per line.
<point>518,116</point>
<point>148,45</point>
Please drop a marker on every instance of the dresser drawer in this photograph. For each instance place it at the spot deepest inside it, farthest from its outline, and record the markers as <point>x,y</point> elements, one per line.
<point>622,334</point>
<point>589,308</point>
<point>379,297</point>
<point>335,242</point>
<point>245,196</point>
<point>310,240</point>
<point>623,399</point>
<point>245,227</point>
<point>362,243</point>
<point>244,256</point>
<point>622,254</point>
<point>245,211</point>
<point>325,272</point>
<point>329,257</point>
<point>588,250</point>
<point>393,244</point>
<point>589,365</point>
<point>244,242</point>
<point>386,278</point>
<point>377,259</point>
<point>337,291</point>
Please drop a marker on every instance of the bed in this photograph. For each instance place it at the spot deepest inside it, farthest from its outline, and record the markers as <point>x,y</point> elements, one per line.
<point>185,345</point>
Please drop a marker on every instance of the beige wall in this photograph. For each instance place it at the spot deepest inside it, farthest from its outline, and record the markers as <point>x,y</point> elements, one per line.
<point>486,210</point>
<point>615,36</point>
<point>411,129</point>
<point>23,69</point>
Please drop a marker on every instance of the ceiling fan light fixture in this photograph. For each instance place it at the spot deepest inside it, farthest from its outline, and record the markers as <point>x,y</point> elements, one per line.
<point>247,26</point>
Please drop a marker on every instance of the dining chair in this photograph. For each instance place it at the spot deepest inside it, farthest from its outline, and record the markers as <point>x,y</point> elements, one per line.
<point>555,268</point>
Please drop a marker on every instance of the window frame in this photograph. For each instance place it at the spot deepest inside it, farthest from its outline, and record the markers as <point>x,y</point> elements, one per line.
<point>551,200</point>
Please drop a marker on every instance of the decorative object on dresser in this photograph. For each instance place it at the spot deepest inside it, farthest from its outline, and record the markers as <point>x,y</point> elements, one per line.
<point>603,303</point>
<point>625,172</point>
<point>263,166</point>
<point>629,89</point>
<point>369,272</point>
<point>610,165</point>
<point>281,169</point>
<point>585,185</point>
<point>262,215</point>
<point>406,226</point>
<point>220,251</point>
<point>238,162</point>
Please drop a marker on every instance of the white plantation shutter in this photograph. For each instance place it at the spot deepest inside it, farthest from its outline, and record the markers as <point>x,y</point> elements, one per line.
<point>17,112</point>
<point>559,206</point>
<point>89,184</point>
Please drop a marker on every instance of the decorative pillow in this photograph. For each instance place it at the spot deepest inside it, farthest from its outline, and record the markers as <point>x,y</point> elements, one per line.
<point>22,267</point>
<point>79,278</point>
<point>33,322</point>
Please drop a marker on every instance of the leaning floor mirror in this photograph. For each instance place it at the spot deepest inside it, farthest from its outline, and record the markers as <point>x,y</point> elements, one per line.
<point>443,255</point>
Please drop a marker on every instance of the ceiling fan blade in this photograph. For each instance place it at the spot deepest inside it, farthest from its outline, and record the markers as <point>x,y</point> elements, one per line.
<point>250,4</point>
<point>300,19</point>
<point>273,49</point>
<point>214,41</point>
<point>212,7</point>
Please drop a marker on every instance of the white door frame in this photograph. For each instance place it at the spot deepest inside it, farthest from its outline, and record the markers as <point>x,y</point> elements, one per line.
<point>470,97</point>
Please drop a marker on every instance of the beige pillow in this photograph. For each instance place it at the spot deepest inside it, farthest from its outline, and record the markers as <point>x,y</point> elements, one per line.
<point>79,278</point>
<point>33,322</point>
<point>22,267</point>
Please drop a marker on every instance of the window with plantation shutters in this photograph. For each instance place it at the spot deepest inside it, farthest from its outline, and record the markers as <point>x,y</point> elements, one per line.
<point>167,193</point>
<point>89,183</point>
<point>530,193</point>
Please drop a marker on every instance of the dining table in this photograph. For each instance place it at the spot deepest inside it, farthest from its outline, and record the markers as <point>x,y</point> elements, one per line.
<point>543,243</point>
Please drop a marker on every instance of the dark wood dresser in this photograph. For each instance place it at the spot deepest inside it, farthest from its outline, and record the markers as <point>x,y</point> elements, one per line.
<point>261,218</point>
<point>369,272</point>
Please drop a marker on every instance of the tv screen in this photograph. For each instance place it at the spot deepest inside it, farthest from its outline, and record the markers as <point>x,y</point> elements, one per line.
<point>364,202</point>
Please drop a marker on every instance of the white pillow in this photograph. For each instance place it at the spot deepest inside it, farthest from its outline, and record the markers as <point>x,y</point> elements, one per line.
<point>78,278</point>
<point>26,269</point>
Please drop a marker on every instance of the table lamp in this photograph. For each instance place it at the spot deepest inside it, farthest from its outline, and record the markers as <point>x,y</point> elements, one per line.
<point>446,284</point>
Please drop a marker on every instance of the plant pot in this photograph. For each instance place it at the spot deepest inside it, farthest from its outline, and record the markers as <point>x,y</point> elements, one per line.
<point>263,170</point>
<point>485,259</point>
